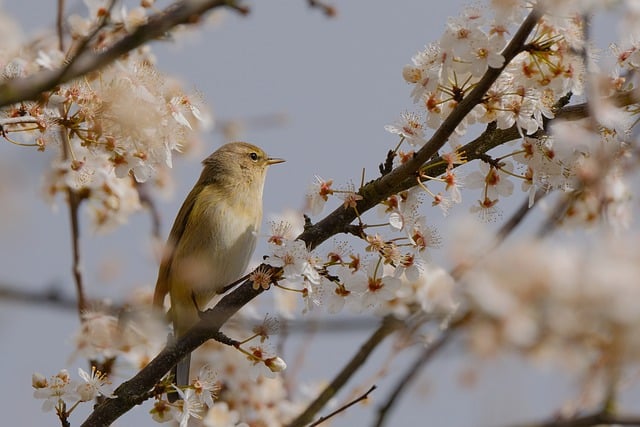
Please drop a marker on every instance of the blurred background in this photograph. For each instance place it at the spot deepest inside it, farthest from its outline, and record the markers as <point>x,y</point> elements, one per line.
<point>313,90</point>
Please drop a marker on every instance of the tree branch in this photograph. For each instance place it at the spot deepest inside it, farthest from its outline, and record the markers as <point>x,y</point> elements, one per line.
<point>372,194</point>
<point>388,326</point>
<point>598,419</point>
<point>184,12</point>
<point>135,390</point>
<point>344,407</point>
<point>397,180</point>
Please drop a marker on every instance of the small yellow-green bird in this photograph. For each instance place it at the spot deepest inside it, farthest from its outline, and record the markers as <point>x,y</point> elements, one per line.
<point>213,236</point>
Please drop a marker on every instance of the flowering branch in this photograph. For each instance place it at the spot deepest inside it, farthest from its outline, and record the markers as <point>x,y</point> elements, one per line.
<point>395,181</point>
<point>184,12</point>
<point>130,393</point>
<point>369,196</point>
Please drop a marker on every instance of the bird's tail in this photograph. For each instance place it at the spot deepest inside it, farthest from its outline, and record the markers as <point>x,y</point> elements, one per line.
<point>181,376</point>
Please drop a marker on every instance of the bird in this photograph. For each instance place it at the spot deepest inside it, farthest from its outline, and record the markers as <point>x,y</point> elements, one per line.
<point>213,237</point>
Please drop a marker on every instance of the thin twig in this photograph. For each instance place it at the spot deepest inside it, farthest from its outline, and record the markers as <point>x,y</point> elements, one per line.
<point>146,199</point>
<point>411,373</point>
<point>343,408</point>
<point>388,326</point>
<point>80,47</point>
<point>598,419</point>
<point>409,376</point>
<point>74,200</point>
<point>327,9</point>
<point>59,25</point>
<point>74,206</point>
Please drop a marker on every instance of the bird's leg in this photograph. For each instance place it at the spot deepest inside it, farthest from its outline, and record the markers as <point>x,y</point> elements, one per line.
<point>195,304</point>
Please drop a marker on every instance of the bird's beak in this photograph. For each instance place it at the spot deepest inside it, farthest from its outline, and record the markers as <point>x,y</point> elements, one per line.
<point>273,161</point>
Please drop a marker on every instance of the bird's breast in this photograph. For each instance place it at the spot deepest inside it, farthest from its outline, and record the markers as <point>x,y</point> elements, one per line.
<point>222,237</point>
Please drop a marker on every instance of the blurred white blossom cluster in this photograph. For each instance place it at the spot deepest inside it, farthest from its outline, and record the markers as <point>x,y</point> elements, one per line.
<point>572,303</point>
<point>109,129</point>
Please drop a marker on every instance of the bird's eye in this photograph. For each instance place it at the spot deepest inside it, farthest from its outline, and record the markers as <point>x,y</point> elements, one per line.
<point>254,156</point>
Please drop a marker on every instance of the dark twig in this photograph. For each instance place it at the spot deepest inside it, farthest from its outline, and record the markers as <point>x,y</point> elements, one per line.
<point>59,25</point>
<point>327,9</point>
<point>74,205</point>
<point>598,419</point>
<point>75,198</point>
<point>81,46</point>
<point>222,338</point>
<point>411,373</point>
<point>343,408</point>
<point>146,199</point>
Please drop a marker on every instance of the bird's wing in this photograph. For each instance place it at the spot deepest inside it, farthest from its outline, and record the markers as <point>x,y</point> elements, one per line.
<point>162,284</point>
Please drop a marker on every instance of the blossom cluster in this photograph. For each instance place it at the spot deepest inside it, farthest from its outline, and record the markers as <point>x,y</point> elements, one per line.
<point>394,275</point>
<point>247,391</point>
<point>61,392</point>
<point>245,384</point>
<point>571,303</point>
<point>244,388</point>
<point>550,68</point>
<point>108,130</point>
